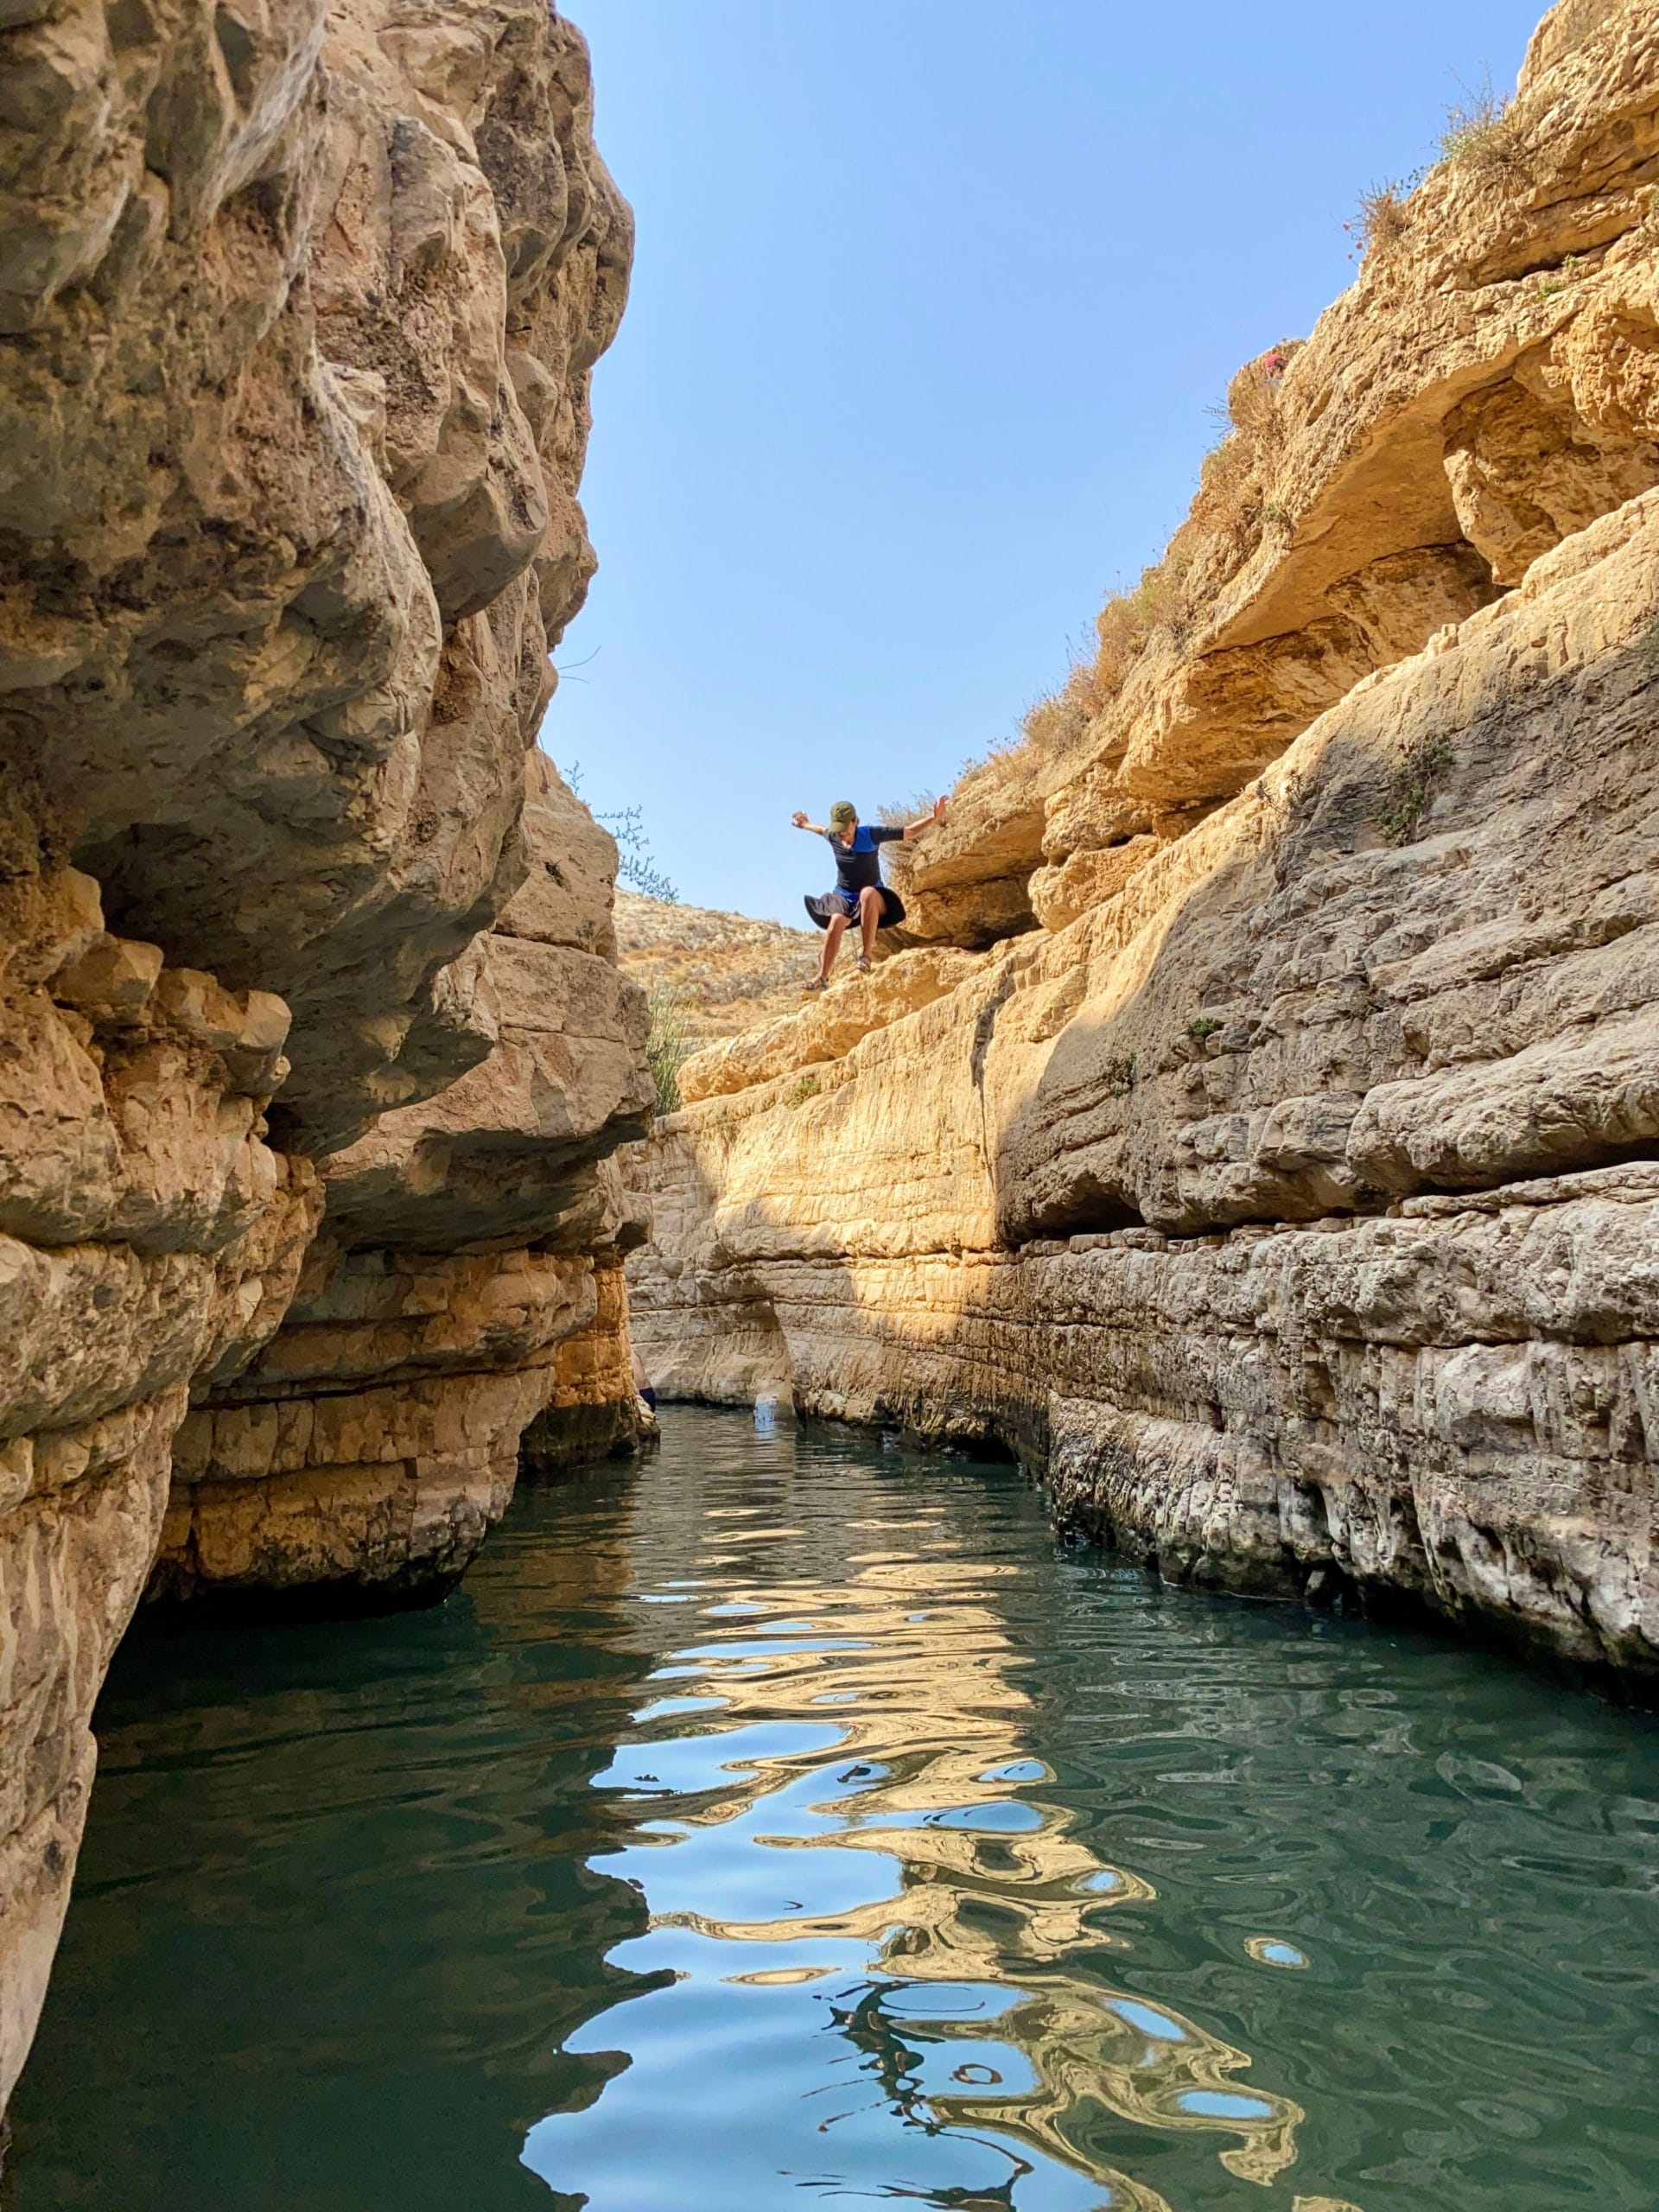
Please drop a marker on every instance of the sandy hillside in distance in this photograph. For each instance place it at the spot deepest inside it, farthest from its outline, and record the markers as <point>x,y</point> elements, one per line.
<point>730,972</point>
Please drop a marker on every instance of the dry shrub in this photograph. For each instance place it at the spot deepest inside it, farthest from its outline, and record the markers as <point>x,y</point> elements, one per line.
<point>1383,218</point>
<point>1053,723</point>
<point>1019,753</point>
<point>1484,136</point>
<point>1230,487</point>
<point>1253,394</point>
<point>1130,620</point>
<point>898,813</point>
<point>1234,478</point>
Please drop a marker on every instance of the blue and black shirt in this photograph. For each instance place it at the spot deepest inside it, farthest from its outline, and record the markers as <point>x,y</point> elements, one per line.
<point>858,866</point>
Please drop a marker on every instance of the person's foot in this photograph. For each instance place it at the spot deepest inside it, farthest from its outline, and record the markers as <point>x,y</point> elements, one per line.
<point>863,963</point>
<point>817,983</point>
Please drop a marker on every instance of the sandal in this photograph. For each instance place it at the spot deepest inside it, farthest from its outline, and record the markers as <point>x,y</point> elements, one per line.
<point>864,963</point>
<point>817,983</point>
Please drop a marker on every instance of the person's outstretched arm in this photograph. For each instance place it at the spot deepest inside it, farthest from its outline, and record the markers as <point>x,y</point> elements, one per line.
<point>801,822</point>
<point>919,829</point>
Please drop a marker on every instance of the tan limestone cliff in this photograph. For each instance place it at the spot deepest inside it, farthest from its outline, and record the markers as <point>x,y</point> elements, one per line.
<point>1276,1171</point>
<point>311,1036</point>
<point>466,1282</point>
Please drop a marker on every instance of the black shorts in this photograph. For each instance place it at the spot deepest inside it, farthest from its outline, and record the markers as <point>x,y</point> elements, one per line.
<point>824,908</point>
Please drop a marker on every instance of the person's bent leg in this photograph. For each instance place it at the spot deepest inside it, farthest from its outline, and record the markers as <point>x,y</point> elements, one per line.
<point>869,917</point>
<point>832,936</point>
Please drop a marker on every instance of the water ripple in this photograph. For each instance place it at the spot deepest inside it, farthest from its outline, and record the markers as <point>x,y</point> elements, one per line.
<point>794,1824</point>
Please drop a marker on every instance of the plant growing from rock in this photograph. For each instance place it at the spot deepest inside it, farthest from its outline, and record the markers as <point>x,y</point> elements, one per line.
<point>1202,1027</point>
<point>1413,786</point>
<point>668,1046</point>
<point>1548,283</point>
<point>809,1086</point>
<point>1382,218</point>
<point>1130,620</point>
<point>1483,137</point>
<point>1118,1075</point>
<point>897,812</point>
<point>1059,719</point>
<point>636,864</point>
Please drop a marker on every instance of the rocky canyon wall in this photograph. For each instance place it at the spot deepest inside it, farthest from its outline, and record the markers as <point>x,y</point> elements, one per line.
<point>313,1048</point>
<point>1261,1132</point>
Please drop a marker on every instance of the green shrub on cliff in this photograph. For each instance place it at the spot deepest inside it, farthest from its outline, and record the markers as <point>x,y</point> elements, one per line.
<point>1413,786</point>
<point>668,1046</point>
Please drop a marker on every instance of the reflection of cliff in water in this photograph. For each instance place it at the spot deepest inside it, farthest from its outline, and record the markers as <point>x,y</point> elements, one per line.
<point>986,1919</point>
<point>335,1915</point>
<point>792,1824</point>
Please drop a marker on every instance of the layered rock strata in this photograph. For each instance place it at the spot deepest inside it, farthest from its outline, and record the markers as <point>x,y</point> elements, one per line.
<point>466,1282</point>
<point>1482,392</point>
<point>1275,1171</point>
<point>297,307</point>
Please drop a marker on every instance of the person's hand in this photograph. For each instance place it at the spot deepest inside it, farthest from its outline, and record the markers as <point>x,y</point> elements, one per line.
<point>798,819</point>
<point>939,806</point>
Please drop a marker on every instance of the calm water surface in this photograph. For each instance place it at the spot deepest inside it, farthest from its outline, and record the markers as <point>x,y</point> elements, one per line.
<point>792,1824</point>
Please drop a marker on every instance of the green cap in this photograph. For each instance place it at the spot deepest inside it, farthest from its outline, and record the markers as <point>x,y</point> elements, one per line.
<point>842,813</point>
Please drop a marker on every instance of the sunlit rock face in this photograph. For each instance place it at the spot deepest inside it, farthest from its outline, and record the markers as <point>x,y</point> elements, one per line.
<point>297,307</point>
<point>1278,1175</point>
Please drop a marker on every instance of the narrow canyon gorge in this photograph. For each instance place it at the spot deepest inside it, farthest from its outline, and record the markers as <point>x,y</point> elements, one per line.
<point>1257,1129</point>
<point>1254,1128</point>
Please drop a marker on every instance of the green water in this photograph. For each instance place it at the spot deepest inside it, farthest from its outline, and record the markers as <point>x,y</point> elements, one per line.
<point>792,1824</point>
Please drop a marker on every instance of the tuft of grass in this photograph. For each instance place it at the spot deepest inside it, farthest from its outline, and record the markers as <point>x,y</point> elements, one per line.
<point>1483,137</point>
<point>1235,473</point>
<point>809,1086</point>
<point>668,1046</point>
<point>1413,786</point>
<point>1647,645</point>
<point>898,812</point>
<point>1201,1027</point>
<point>1130,621</point>
<point>1275,514</point>
<point>1118,1075</point>
<point>1054,723</point>
<point>1227,480</point>
<point>1383,217</point>
<point>1549,282</point>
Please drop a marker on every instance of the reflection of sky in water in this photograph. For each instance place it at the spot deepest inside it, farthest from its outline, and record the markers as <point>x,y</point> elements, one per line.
<point>1077,1894</point>
<point>1274,1951</point>
<point>903,1874</point>
<point>889,1950</point>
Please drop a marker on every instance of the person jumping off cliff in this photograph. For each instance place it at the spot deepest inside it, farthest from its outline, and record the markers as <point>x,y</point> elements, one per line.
<point>859,889</point>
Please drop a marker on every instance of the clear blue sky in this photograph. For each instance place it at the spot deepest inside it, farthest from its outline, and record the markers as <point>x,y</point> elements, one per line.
<point>930,302</point>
